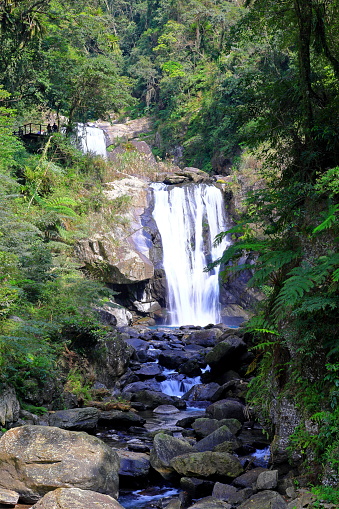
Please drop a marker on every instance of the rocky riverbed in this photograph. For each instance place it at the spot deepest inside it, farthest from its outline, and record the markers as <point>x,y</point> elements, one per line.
<point>187,429</point>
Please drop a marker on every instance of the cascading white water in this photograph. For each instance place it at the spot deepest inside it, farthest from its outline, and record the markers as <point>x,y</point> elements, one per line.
<point>91,140</point>
<point>188,219</point>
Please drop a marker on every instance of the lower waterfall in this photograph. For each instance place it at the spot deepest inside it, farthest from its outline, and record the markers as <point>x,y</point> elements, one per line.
<point>188,219</point>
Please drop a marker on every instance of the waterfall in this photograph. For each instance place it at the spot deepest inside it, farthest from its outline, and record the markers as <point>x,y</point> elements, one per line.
<point>91,139</point>
<point>188,219</point>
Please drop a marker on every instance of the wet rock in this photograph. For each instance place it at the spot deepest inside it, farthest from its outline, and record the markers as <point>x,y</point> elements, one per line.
<point>151,399</point>
<point>190,368</point>
<point>187,422</point>
<point>223,491</point>
<point>172,359</point>
<point>215,438</point>
<point>234,388</point>
<point>248,479</point>
<point>9,406</point>
<point>267,480</point>
<point>8,497</point>
<point>227,409</point>
<point>37,459</point>
<point>205,426</point>
<point>264,500</point>
<point>75,418</point>
<point>140,346</point>
<point>204,337</point>
<point>196,488</point>
<point>210,503</point>
<point>150,385</point>
<point>201,392</point>
<point>133,464</point>
<point>207,464</point>
<point>166,409</point>
<point>119,420</point>
<point>165,448</point>
<point>148,370</point>
<point>75,498</point>
<point>225,355</point>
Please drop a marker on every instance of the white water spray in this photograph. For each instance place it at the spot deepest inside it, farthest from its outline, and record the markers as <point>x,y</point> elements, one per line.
<point>188,219</point>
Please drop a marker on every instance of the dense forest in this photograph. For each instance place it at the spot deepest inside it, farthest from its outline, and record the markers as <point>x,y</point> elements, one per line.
<point>242,88</point>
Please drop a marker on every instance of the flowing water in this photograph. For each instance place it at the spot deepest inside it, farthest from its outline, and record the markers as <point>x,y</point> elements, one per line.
<point>188,219</point>
<point>91,140</point>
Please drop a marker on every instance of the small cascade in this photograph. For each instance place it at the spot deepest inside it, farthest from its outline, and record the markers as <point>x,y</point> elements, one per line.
<point>91,140</point>
<point>173,386</point>
<point>188,219</point>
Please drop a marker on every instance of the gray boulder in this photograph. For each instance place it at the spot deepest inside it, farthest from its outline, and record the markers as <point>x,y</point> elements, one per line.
<point>248,479</point>
<point>133,464</point>
<point>205,426</point>
<point>38,459</point>
<point>227,409</point>
<point>173,358</point>
<point>210,503</point>
<point>267,480</point>
<point>201,392</point>
<point>119,419</point>
<point>207,464</point>
<point>152,399</point>
<point>264,500</point>
<point>75,498</point>
<point>216,438</point>
<point>226,354</point>
<point>165,448</point>
<point>75,419</point>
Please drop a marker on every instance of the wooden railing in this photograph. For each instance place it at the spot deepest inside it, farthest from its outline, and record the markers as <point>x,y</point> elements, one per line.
<point>36,129</point>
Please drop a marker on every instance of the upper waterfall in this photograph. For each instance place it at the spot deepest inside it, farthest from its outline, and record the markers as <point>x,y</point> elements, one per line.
<point>91,139</point>
<point>188,219</point>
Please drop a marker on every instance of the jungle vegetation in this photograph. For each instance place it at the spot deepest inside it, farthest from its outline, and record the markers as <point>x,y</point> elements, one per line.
<point>231,82</point>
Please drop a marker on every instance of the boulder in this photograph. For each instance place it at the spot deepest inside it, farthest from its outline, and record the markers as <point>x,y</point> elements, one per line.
<point>8,497</point>
<point>230,494</point>
<point>75,419</point>
<point>264,500</point>
<point>9,406</point>
<point>111,359</point>
<point>148,370</point>
<point>152,399</point>
<point>267,480</point>
<point>204,337</point>
<point>226,354</point>
<point>204,426</point>
<point>196,488</point>
<point>248,479</point>
<point>133,464</point>
<point>227,409</point>
<point>172,359</point>
<point>166,410</point>
<point>223,491</point>
<point>38,459</point>
<point>75,498</point>
<point>118,419</point>
<point>201,392</point>
<point>165,448</point>
<point>217,437</point>
<point>210,503</point>
<point>207,464</point>
<point>234,388</point>
<point>148,385</point>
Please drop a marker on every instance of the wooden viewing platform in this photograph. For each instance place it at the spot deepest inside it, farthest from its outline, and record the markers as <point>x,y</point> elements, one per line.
<point>34,130</point>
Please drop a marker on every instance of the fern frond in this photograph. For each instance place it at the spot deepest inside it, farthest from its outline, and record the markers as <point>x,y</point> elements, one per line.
<point>316,303</point>
<point>330,219</point>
